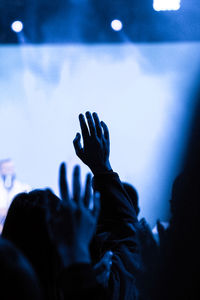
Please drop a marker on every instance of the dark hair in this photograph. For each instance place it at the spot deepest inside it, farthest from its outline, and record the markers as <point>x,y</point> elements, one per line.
<point>25,226</point>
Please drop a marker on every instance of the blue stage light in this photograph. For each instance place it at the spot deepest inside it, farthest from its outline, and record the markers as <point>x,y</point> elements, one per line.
<point>17,26</point>
<point>116,25</point>
<point>159,5</point>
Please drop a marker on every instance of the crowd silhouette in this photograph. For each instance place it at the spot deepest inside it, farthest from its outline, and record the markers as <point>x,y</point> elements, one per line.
<point>91,244</point>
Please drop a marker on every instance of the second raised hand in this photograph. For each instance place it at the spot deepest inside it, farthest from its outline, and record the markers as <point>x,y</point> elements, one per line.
<point>96,143</point>
<point>72,226</point>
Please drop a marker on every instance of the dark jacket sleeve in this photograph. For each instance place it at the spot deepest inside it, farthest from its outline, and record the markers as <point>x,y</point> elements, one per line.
<point>115,202</point>
<point>117,232</point>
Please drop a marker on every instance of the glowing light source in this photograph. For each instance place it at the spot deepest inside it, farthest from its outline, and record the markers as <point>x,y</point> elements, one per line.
<point>159,5</point>
<point>17,26</point>
<point>116,25</point>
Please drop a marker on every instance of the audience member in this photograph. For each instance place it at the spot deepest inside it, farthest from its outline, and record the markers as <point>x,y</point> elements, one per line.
<point>25,227</point>
<point>54,236</point>
<point>116,229</point>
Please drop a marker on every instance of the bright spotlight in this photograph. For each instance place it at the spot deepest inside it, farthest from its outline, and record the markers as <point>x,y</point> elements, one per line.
<point>116,25</point>
<point>17,26</point>
<point>159,5</point>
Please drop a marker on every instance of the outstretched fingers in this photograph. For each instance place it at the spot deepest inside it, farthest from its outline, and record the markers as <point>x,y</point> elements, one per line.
<point>91,124</point>
<point>76,185</point>
<point>106,131</point>
<point>97,124</point>
<point>63,185</point>
<point>84,128</point>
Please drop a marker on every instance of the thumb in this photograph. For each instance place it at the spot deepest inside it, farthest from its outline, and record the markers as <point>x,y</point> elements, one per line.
<point>77,145</point>
<point>105,263</point>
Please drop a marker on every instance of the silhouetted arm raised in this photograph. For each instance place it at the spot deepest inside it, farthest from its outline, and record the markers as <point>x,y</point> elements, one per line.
<point>116,229</point>
<point>95,154</point>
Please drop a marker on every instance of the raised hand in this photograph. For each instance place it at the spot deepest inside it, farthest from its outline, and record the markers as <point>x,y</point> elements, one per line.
<point>73,225</point>
<point>103,268</point>
<point>96,143</point>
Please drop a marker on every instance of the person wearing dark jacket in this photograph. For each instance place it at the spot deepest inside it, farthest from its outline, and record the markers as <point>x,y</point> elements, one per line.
<point>116,229</point>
